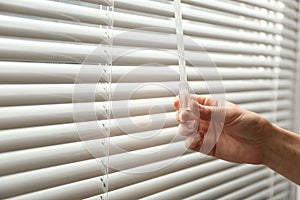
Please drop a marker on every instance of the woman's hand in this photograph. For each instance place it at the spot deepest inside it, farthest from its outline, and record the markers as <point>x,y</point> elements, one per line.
<point>242,139</point>
<point>226,131</point>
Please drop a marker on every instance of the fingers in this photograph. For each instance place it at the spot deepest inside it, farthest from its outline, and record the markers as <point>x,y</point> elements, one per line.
<point>176,102</point>
<point>188,115</point>
<point>201,136</point>
<point>189,120</point>
<point>184,116</point>
<point>211,139</point>
<point>216,114</point>
<point>203,110</point>
<point>205,100</point>
<point>201,99</point>
<point>204,140</point>
<point>188,128</point>
<point>194,142</point>
<point>203,106</point>
<point>198,111</point>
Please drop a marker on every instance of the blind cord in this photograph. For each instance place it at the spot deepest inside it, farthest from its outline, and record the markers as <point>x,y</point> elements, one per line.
<point>107,71</point>
<point>184,93</point>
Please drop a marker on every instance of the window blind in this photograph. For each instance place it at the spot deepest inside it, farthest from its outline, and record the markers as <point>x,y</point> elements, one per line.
<point>59,96</point>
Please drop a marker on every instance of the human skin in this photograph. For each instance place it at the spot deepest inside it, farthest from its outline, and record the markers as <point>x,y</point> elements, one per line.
<point>246,137</point>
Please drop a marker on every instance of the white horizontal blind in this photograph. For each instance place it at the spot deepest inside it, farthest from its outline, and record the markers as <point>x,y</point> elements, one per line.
<point>45,44</point>
<point>43,48</point>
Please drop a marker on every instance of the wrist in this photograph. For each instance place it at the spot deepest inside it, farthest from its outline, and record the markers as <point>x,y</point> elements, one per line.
<point>269,151</point>
<point>277,143</point>
<point>282,152</point>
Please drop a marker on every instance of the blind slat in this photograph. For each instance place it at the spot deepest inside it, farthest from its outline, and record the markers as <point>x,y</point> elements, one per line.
<point>44,73</point>
<point>76,151</point>
<point>26,116</point>
<point>232,8</point>
<point>249,190</point>
<point>63,154</point>
<point>282,195</point>
<point>18,95</point>
<point>79,171</point>
<point>52,9</point>
<point>12,49</point>
<point>276,6</point>
<point>202,184</point>
<point>231,186</point>
<point>206,17</point>
<point>33,137</point>
<point>90,15</point>
<point>127,21</point>
<point>93,184</point>
<point>81,189</point>
<point>291,3</point>
<point>11,26</point>
<point>37,180</point>
<point>165,182</point>
<point>278,187</point>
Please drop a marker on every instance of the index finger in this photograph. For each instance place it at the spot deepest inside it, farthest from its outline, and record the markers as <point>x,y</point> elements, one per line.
<point>201,99</point>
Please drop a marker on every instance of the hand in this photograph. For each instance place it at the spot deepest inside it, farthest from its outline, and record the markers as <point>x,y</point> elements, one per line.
<point>242,139</point>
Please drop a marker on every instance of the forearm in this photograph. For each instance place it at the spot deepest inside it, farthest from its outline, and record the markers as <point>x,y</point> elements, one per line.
<point>282,152</point>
